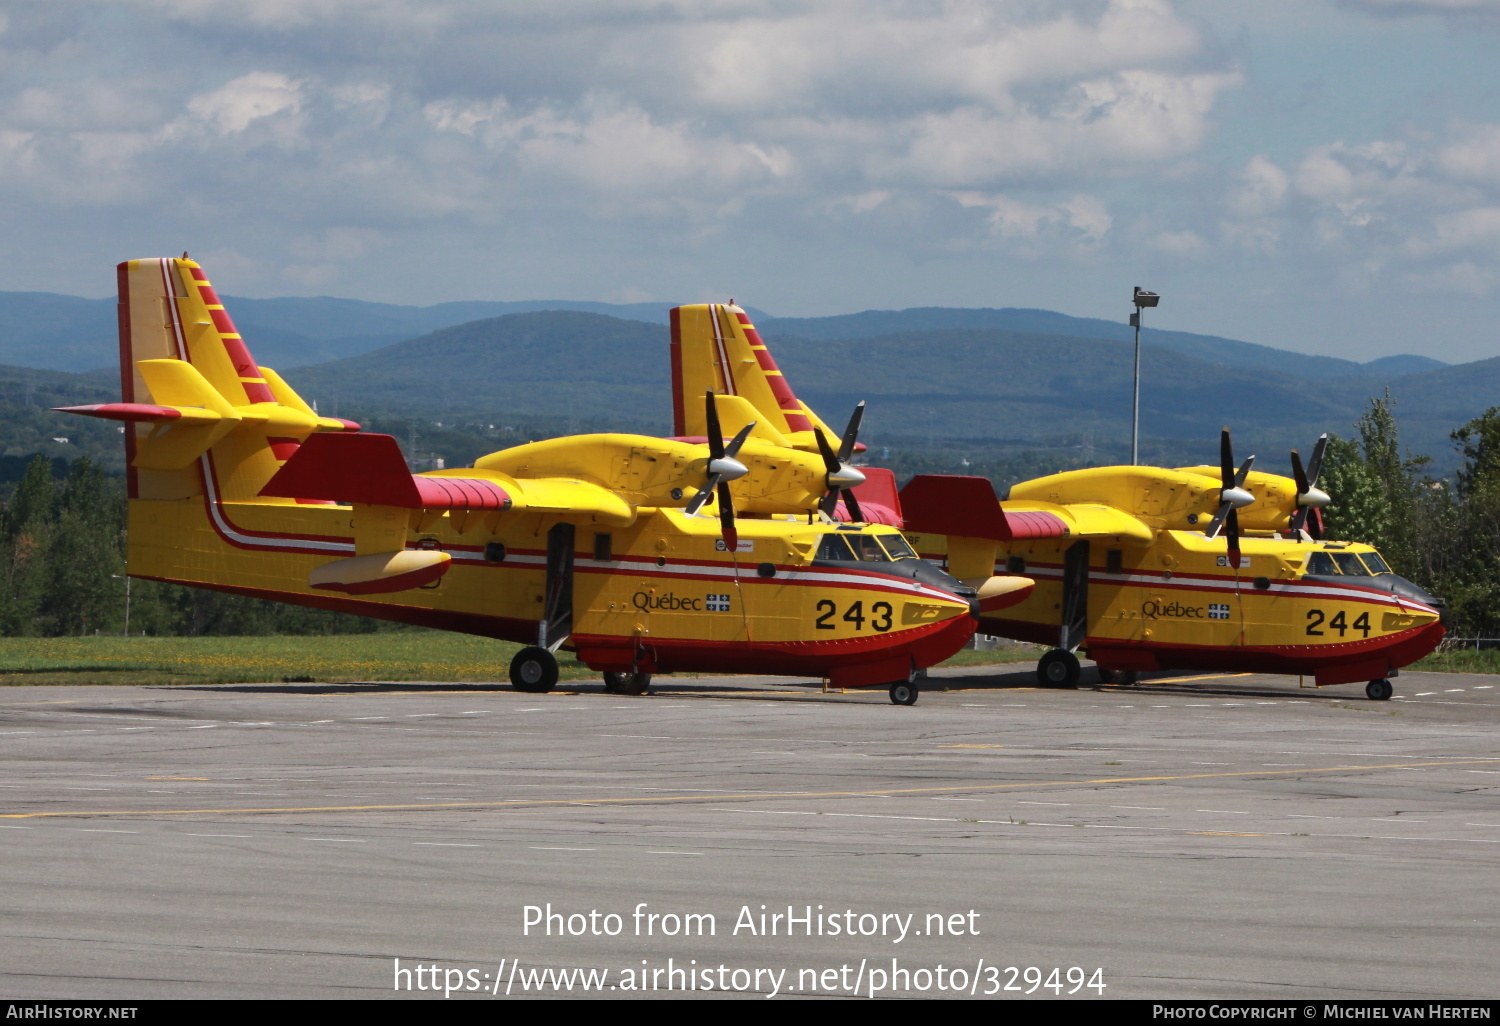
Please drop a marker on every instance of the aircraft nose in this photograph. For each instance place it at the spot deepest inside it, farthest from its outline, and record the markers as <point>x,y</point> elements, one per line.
<point>1406,589</point>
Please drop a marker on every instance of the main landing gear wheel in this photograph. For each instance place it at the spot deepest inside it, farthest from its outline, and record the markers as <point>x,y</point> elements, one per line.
<point>1379,690</point>
<point>1058,669</point>
<point>626,683</point>
<point>1121,677</point>
<point>533,670</point>
<point>905,692</point>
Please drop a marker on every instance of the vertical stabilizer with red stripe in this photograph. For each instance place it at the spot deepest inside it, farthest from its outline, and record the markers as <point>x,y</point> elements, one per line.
<point>716,349</point>
<point>199,413</point>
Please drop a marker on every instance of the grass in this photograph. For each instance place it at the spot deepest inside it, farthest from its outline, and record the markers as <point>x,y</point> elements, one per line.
<point>394,655</point>
<point>995,656</point>
<point>1462,661</point>
<point>398,655</point>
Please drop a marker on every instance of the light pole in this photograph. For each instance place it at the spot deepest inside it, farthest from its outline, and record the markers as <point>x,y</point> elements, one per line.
<point>126,579</point>
<point>1143,299</point>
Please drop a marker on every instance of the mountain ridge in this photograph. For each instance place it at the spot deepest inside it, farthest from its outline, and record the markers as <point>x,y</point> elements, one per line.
<point>53,331</point>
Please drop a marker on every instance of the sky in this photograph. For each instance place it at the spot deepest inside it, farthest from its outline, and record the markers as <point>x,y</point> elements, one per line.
<point>1315,175</point>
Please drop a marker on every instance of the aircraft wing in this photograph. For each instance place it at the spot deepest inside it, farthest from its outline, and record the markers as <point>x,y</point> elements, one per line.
<point>369,469</point>
<point>968,507</point>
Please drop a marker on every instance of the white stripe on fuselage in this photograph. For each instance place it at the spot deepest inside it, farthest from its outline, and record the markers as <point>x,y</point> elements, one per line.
<point>1295,588</point>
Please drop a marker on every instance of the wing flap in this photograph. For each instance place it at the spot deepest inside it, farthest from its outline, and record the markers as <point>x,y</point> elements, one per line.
<point>967,507</point>
<point>368,469</point>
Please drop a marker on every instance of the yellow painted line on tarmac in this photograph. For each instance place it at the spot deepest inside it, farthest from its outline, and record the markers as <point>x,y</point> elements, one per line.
<point>677,798</point>
<point>1183,680</point>
<point>1227,833</point>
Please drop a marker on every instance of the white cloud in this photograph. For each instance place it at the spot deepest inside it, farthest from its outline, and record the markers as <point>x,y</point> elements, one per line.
<point>1097,126</point>
<point>1475,156</point>
<point>1424,208</point>
<point>1460,230</point>
<point>295,119</point>
<point>1261,190</point>
<point>1427,6</point>
<point>1183,243</point>
<point>236,104</point>
<point>1080,221</point>
<point>1464,277</point>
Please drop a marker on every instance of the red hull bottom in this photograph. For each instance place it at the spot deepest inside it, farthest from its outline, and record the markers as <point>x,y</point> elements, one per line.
<point>851,663</point>
<point>848,663</point>
<point>1327,664</point>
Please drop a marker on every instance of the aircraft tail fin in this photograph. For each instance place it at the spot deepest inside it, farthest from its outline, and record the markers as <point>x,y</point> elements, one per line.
<point>190,389</point>
<point>715,348</point>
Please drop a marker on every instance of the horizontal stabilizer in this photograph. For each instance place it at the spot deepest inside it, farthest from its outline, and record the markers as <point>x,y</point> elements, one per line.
<point>368,468</point>
<point>968,507</point>
<point>145,413</point>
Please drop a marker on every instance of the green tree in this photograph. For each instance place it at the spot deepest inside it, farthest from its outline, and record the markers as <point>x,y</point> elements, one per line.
<point>1375,489</point>
<point>24,538</point>
<point>81,596</point>
<point>1357,511</point>
<point>34,498</point>
<point>1466,547</point>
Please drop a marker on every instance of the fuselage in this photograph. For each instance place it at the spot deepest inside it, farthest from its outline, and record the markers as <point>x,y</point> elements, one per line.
<point>1330,610</point>
<point>660,594</point>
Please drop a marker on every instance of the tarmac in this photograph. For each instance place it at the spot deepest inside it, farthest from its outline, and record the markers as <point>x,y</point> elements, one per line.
<point>1188,837</point>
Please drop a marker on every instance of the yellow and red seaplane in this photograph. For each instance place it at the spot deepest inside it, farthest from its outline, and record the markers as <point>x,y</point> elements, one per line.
<point>1141,568</point>
<point>641,555</point>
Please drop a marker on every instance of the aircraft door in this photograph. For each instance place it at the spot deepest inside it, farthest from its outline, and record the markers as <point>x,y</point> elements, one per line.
<point>557,607</point>
<point>1075,600</point>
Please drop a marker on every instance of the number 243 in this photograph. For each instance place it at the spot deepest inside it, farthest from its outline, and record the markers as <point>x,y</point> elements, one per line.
<point>880,615</point>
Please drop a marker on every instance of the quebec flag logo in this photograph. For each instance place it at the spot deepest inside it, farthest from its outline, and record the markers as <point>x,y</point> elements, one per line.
<point>1218,611</point>
<point>716,603</point>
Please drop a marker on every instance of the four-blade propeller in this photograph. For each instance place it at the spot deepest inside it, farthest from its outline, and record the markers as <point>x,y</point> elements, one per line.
<point>1232,496</point>
<point>722,469</point>
<point>1310,498</point>
<point>842,478</point>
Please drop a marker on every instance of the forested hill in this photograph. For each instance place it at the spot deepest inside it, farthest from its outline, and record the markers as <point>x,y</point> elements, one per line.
<point>1028,388</point>
<point>1207,348</point>
<point>585,371</point>
<point>56,332</point>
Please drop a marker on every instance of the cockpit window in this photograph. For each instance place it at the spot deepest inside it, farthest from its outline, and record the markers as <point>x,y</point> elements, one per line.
<point>897,546</point>
<point>1375,563</point>
<point>863,548</point>
<point>867,548</point>
<point>1321,563</point>
<point>835,547</point>
<point>1349,564</point>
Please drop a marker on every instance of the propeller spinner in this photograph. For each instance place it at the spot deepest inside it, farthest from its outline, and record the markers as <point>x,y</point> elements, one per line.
<point>842,478</point>
<point>722,469</point>
<point>1232,495</point>
<point>1310,498</point>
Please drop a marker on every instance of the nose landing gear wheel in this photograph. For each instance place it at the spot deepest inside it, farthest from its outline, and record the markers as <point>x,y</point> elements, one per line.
<point>1058,669</point>
<point>905,692</point>
<point>626,683</point>
<point>1379,690</point>
<point>533,670</point>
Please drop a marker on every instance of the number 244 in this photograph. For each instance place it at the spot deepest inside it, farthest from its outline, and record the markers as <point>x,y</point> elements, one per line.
<point>1315,618</point>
